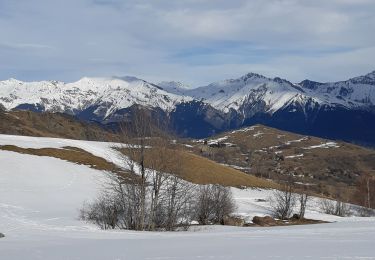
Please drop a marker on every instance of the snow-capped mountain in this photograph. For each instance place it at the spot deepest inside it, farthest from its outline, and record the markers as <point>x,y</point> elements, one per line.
<point>252,88</point>
<point>358,92</point>
<point>339,110</point>
<point>307,107</point>
<point>277,93</point>
<point>175,87</point>
<point>104,96</point>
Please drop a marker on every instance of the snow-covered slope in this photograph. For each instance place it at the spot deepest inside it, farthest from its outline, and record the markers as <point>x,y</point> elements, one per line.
<point>355,92</point>
<point>40,198</point>
<point>232,94</point>
<point>106,94</point>
<point>174,87</point>
<point>277,93</point>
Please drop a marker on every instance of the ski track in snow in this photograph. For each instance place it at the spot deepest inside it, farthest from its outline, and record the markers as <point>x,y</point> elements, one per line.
<point>40,198</point>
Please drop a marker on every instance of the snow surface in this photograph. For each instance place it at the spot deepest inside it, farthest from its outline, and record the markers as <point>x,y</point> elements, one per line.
<point>324,145</point>
<point>294,156</point>
<point>217,140</point>
<point>40,198</point>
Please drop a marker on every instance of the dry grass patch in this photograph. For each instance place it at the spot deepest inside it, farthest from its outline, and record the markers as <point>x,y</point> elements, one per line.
<point>51,125</point>
<point>200,170</point>
<point>70,154</point>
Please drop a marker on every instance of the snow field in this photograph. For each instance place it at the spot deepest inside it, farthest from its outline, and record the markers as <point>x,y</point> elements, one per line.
<point>40,198</point>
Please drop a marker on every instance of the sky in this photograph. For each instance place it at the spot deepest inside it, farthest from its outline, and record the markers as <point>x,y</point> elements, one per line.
<point>193,41</point>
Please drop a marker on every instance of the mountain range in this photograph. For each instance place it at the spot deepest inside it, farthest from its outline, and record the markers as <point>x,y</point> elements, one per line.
<point>337,110</point>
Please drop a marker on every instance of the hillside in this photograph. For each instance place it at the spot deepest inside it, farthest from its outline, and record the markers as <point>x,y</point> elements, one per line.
<point>30,123</point>
<point>326,167</point>
<point>105,157</point>
<point>41,195</point>
<point>199,170</point>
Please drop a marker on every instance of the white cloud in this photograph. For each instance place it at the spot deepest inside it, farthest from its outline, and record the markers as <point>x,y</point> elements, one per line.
<point>192,40</point>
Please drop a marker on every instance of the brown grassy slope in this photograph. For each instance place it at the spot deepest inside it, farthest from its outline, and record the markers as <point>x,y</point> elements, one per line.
<point>200,170</point>
<point>70,154</point>
<point>331,171</point>
<point>50,125</point>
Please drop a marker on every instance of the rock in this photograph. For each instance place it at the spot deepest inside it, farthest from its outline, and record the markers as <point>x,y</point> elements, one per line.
<point>266,221</point>
<point>1,235</point>
<point>296,216</point>
<point>234,221</point>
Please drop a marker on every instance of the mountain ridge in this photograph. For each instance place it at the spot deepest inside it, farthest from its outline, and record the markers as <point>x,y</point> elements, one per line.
<point>305,107</point>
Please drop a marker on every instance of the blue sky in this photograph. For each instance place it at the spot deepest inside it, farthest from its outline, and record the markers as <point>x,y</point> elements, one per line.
<point>193,41</point>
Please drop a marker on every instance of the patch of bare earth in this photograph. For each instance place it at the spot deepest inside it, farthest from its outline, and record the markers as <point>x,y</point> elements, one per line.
<point>268,221</point>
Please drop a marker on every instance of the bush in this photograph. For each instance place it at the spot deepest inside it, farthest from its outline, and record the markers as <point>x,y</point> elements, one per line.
<point>104,212</point>
<point>336,208</point>
<point>213,204</point>
<point>282,203</point>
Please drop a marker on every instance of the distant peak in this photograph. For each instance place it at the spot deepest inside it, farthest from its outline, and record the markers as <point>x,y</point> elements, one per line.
<point>309,84</point>
<point>173,84</point>
<point>127,78</point>
<point>366,79</point>
<point>371,74</point>
<point>307,81</point>
<point>280,80</point>
<point>13,80</point>
<point>252,75</point>
<point>87,79</point>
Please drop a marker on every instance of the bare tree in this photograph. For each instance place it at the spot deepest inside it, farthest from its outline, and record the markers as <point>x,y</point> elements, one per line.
<point>342,209</point>
<point>303,198</point>
<point>178,203</point>
<point>327,206</point>
<point>223,203</point>
<point>365,192</point>
<point>203,206</point>
<point>163,159</point>
<point>337,207</point>
<point>283,201</point>
<point>135,135</point>
<point>368,192</point>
